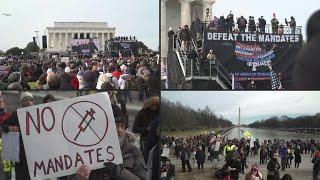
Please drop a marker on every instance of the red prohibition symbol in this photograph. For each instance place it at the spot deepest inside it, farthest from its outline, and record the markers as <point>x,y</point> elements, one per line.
<point>84,123</point>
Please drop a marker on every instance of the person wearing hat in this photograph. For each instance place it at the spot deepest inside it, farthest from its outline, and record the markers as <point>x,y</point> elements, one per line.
<point>12,124</point>
<point>89,80</point>
<point>254,173</point>
<point>133,167</point>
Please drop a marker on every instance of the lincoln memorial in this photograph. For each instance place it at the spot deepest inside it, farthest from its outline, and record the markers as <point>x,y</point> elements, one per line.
<point>61,34</point>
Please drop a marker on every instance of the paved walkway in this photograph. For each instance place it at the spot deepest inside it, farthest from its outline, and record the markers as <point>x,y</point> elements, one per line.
<point>304,172</point>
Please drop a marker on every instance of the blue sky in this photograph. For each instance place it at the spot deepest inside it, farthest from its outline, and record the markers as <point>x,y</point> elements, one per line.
<point>139,18</point>
<point>255,105</point>
<point>301,10</point>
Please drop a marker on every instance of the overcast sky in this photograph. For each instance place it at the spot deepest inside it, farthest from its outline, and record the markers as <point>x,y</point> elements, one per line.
<point>255,105</point>
<point>300,10</point>
<point>138,18</point>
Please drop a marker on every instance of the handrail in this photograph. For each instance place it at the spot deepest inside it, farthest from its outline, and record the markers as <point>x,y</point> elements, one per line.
<point>268,28</point>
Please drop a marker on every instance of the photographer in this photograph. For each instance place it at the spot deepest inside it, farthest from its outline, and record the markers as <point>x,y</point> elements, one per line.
<point>274,24</point>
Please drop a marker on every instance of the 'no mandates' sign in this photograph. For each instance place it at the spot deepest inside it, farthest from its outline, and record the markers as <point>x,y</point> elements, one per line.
<point>59,137</point>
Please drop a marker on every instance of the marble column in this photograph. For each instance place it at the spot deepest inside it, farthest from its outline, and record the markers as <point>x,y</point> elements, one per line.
<point>103,42</point>
<point>53,41</point>
<point>49,40</point>
<point>185,12</point>
<point>164,30</point>
<point>65,41</point>
<point>207,4</point>
<point>60,41</point>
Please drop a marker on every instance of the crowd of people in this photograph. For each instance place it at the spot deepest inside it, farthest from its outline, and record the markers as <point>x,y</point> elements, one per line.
<point>138,163</point>
<point>277,154</point>
<point>99,73</point>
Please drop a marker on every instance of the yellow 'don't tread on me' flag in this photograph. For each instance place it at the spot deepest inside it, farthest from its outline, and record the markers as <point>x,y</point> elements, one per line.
<point>247,134</point>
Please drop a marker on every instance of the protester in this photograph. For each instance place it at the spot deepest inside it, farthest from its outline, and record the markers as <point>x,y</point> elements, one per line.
<point>274,24</point>
<point>306,69</point>
<point>133,167</point>
<point>185,156</point>
<point>4,174</point>
<point>273,168</point>
<point>12,124</point>
<point>254,173</point>
<point>200,157</point>
<point>262,25</point>
<point>143,121</point>
<point>297,157</point>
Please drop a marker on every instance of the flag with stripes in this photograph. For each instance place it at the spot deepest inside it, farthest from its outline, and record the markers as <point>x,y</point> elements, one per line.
<point>236,84</point>
<point>275,81</point>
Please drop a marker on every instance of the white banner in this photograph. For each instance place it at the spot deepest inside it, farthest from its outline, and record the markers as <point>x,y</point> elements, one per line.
<point>59,137</point>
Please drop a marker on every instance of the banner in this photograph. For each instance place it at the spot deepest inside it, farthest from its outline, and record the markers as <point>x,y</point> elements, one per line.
<point>85,46</point>
<point>59,137</point>
<point>251,56</point>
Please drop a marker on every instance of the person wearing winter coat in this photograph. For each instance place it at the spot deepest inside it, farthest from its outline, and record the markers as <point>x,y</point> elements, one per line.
<point>297,157</point>
<point>12,124</point>
<point>273,167</point>
<point>185,156</point>
<point>200,157</point>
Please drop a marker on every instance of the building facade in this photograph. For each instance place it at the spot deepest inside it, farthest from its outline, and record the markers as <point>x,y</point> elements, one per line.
<point>60,36</point>
<point>177,13</point>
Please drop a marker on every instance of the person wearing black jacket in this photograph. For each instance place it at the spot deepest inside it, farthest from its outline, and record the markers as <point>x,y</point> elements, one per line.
<point>12,124</point>
<point>233,165</point>
<point>306,71</point>
<point>143,121</point>
<point>200,157</point>
<point>262,25</point>
<point>273,168</point>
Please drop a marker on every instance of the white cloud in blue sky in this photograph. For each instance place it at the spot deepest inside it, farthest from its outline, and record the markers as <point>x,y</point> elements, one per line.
<point>138,18</point>
<point>255,105</point>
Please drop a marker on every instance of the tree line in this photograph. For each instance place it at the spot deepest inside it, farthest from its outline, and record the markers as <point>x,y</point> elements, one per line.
<point>305,121</point>
<point>16,51</point>
<point>176,116</point>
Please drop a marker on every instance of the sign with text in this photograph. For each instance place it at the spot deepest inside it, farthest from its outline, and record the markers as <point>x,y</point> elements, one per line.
<point>249,55</point>
<point>59,137</point>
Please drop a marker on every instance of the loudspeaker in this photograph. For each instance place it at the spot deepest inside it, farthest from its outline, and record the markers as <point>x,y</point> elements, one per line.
<point>44,42</point>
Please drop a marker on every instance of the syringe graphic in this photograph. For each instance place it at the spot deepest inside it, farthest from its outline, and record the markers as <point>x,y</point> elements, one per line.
<point>80,126</point>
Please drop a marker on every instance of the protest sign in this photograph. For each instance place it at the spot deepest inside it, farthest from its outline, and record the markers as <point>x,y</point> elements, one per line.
<point>59,137</point>
<point>65,59</point>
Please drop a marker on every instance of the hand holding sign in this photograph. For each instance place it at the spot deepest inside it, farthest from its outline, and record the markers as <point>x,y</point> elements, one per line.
<point>73,132</point>
<point>83,173</point>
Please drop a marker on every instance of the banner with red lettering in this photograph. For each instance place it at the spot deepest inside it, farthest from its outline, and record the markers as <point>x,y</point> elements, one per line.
<point>59,137</point>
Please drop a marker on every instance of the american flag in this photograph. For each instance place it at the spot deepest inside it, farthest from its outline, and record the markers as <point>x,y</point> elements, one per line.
<point>235,84</point>
<point>275,81</point>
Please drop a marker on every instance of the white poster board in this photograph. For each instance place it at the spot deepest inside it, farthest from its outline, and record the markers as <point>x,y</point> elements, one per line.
<point>59,137</point>
<point>65,59</point>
